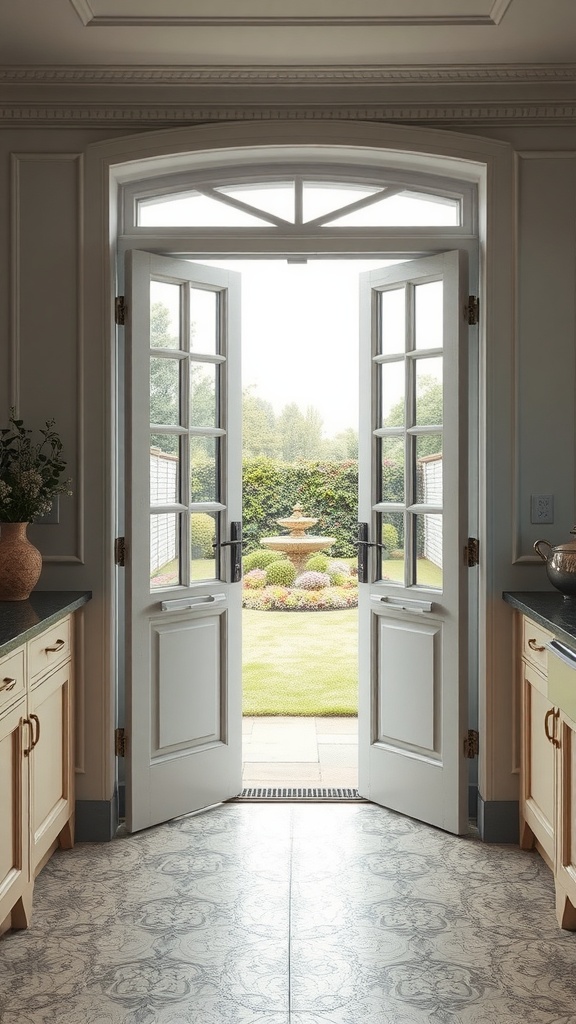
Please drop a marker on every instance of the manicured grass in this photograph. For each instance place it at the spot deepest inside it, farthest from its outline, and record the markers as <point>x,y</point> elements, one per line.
<point>300,663</point>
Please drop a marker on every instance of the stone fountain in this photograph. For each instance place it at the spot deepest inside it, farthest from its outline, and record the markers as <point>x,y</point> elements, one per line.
<point>296,545</point>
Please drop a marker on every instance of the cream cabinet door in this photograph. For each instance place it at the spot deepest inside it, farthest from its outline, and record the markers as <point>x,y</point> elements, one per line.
<point>565,867</point>
<point>538,759</point>
<point>50,763</point>
<point>15,889</point>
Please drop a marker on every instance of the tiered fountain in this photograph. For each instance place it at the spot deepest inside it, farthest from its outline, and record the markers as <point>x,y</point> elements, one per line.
<point>296,545</point>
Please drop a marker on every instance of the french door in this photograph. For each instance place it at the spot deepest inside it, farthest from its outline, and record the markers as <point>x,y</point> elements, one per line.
<point>413,525</point>
<point>183,535</point>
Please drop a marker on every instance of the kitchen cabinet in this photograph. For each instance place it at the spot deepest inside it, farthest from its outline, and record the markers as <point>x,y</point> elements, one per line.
<point>36,761</point>
<point>548,768</point>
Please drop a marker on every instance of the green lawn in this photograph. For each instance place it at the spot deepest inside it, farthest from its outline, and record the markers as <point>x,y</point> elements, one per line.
<point>300,663</point>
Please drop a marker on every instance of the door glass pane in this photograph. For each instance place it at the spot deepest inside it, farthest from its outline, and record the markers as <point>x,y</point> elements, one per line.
<point>392,390</point>
<point>392,461</point>
<point>164,550</point>
<point>429,469</point>
<point>429,315</point>
<point>203,408</point>
<point>393,554</point>
<point>203,527</point>
<point>164,315</point>
<point>203,321</point>
<point>429,551</point>
<point>429,397</point>
<point>164,469</point>
<point>204,469</point>
<point>392,321</point>
<point>164,391</point>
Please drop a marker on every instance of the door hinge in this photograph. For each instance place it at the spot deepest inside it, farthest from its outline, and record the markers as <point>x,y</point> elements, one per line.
<point>471,743</point>
<point>120,310</point>
<point>472,310</point>
<point>120,742</point>
<point>471,552</point>
<point>120,551</point>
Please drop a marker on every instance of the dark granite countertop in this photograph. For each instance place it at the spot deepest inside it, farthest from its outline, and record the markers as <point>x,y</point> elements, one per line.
<point>549,608</point>
<point>20,621</point>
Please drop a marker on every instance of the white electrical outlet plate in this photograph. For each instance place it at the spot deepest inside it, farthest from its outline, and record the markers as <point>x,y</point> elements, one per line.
<point>541,508</point>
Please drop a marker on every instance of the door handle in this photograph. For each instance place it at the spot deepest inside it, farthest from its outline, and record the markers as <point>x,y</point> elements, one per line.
<point>192,603</point>
<point>235,544</point>
<point>34,718</point>
<point>28,750</point>
<point>550,736</point>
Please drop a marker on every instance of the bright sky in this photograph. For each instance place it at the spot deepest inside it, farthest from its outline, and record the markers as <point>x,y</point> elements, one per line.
<point>300,334</point>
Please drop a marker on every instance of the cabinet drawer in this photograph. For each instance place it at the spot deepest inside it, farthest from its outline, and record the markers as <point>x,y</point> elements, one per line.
<point>12,678</point>
<point>49,649</point>
<point>534,639</point>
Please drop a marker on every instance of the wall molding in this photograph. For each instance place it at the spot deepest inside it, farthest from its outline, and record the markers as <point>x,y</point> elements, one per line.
<point>167,115</point>
<point>17,161</point>
<point>313,75</point>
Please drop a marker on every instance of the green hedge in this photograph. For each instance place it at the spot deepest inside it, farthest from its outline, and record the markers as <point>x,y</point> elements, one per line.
<point>326,490</point>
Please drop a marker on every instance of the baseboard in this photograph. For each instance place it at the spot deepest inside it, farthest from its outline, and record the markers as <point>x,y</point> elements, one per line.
<point>498,820</point>
<point>472,800</point>
<point>96,820</point>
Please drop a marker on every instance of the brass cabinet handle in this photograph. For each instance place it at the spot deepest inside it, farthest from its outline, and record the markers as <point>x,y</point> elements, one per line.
<point>534,646</point>
<point>27,751</point>
<point>7,683</point>
<point>34,718</point>
<point>62,643</point>
<point>553,713</point>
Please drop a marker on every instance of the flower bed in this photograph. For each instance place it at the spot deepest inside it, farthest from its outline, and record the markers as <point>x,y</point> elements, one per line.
<point>295,599</point>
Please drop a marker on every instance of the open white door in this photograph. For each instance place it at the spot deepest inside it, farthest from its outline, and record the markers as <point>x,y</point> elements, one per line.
<point>413,492</point>
<point>183,513</point>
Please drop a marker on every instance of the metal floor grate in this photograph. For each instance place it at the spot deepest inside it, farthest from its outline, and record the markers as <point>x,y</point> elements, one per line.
<point>286,793</point>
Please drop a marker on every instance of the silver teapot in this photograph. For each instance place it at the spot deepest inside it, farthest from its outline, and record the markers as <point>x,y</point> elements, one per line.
<point>560,564</point>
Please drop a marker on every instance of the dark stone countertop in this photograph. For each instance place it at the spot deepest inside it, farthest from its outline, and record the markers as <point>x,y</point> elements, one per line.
<point>20,621</point>
<point>549,608</point>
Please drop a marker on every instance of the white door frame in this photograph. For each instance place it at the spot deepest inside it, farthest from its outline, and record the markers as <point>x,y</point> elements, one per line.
<point>487,163</point>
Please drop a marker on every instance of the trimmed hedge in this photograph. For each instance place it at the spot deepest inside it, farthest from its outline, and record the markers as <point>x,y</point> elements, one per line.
<point>326,490</point>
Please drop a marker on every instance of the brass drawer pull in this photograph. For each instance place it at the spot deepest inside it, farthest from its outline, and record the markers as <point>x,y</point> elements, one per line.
<point>59,645</point>
<point>550,736</point>
<point>534,646</point>
<point>7,684</point>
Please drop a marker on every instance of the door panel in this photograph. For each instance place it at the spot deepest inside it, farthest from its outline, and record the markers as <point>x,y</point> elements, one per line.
<point>413,490</point>
<point>183,512</point>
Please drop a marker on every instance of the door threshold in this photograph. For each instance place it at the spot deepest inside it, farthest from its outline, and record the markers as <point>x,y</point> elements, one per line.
<point>286,794</point>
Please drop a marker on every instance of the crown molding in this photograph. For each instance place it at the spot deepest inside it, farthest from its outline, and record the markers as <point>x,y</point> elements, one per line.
<point>165,115</point>
<point>330,75</point>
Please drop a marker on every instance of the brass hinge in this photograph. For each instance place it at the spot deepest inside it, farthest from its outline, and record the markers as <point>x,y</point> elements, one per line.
<point>120,551</point>
<point>471,552</point>
<point>120,310</point>
<point>471,743</point>
<point>472,310</point>
<point>120,742</point>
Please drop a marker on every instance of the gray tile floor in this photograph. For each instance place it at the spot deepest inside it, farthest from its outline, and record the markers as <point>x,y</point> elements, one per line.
<point>291,914</point>
<point>300,752</point>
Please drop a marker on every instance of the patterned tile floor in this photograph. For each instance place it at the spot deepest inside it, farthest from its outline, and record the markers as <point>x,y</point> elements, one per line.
<point>299,751</point>
<point>291,914</point>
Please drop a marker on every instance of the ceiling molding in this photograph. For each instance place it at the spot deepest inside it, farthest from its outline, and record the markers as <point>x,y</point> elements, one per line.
<point>164,115</point>
<point>447,74</point>
<point>221,13</point>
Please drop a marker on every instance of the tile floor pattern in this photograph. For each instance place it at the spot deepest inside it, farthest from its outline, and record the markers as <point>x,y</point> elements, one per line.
<point>299,752</point>
<point>291,914</point>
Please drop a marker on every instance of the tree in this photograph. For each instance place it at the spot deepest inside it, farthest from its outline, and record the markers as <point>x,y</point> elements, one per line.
<point>430,412</point>
<point>340,447</point>
<point>259,430</point>
<point>300,433</point>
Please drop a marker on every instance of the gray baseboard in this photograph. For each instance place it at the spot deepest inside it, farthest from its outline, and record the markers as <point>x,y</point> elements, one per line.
<point>472,800</point>
<point>96,820</point>
<point>498,820</point>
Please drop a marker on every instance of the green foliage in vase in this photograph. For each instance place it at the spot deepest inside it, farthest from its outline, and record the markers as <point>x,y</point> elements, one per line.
<point>30,471</point>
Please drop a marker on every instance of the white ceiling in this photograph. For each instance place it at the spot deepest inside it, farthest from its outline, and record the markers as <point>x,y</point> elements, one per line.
<point>336,33</point>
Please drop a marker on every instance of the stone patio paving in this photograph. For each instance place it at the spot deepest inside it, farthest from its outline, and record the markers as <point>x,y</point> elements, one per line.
<point>299,752</point>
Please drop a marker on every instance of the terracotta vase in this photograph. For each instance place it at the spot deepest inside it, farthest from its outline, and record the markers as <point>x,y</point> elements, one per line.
<point>20,563</point>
